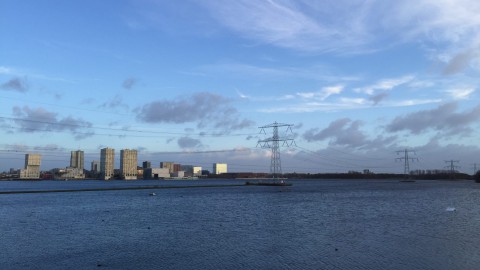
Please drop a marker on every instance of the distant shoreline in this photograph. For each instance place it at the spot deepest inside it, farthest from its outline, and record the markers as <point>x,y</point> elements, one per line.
<point>117,188</point>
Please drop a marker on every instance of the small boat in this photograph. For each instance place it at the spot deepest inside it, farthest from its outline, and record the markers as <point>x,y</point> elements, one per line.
<point>153,194</point>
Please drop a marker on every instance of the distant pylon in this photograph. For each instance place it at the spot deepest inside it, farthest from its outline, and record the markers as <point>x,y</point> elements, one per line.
<point>406,159</point>
<point>452,167</point>
<point>274,144</point>
<point>475,170</point>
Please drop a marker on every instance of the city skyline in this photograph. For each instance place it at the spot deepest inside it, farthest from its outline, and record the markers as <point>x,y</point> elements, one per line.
<point>193,81</point>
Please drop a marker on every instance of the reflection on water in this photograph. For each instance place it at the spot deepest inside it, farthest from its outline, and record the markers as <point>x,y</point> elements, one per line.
<point>310,225</point>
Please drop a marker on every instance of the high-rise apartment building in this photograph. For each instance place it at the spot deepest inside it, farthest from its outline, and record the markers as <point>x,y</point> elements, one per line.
<point>128,164</point>
<point>32,166</point>
<point>77,160</point>
<point>107,159</point>
<point>95,166</point>
<point>219,168</point>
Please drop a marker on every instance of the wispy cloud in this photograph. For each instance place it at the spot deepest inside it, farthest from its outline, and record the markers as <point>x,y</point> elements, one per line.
<point>290,25</point>
<point>129,83</point>
<point>321,73</point>
<point>115,102</point>
<point>345,103</point>
<point>352,26</point>
<point>6,70</point>
<point>323,94</point>
<point>461,93</point>
<point>384,85</point>
<point>189,143</point>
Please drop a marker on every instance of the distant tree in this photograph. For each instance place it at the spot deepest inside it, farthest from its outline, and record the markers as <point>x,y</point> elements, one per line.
<point>476,177</point>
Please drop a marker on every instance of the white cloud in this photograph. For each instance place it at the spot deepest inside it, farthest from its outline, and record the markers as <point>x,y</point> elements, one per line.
<point>6,70</point>
<point>278,23</point>
<point>323,94</point>
<point>358,101</point>
<point>384,85</point>
<point>356,26</point>
<point>461,93</point>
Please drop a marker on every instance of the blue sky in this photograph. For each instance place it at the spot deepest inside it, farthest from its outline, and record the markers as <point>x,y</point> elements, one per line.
<point>191,81</point>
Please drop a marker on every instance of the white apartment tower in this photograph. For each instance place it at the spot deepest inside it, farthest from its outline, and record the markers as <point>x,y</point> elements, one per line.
<point>77,159</point>
<point>107,159</point>
<point>219,168</point>
<point>128,164</point>
<point>32,166</point>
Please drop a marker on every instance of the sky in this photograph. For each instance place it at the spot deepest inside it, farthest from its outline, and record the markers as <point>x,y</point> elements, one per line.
<point>192,81</point>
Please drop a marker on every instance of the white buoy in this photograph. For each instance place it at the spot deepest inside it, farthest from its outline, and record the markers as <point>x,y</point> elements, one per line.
<point>450,209</point>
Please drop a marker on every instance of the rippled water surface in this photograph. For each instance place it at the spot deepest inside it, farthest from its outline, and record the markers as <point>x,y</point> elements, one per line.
<point>310,225</point>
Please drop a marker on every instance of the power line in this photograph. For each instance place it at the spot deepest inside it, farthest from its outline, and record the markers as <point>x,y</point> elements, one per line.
<point>201,134</point>
<point>334,162</point>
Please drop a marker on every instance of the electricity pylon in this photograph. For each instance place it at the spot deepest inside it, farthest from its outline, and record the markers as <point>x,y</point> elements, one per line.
<point>475,168</point>
<point>406,159</point>
<point>274,144</point>
<point>452,167</point>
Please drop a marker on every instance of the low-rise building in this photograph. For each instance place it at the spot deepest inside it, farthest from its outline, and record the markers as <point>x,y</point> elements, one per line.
<point>155,173</point>
<point>70,173</point>
<point>179,174</point>
<point>219,168</point>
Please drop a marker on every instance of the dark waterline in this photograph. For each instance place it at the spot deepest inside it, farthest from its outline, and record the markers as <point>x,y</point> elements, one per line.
<point>310,225</point>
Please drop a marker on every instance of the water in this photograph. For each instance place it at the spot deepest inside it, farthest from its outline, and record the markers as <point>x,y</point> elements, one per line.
<point>310,225</point>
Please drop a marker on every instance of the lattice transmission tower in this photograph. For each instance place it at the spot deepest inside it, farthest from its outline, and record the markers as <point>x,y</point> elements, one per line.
<point>452,167</point>
<point>406,159</point>
<point>274,144</point>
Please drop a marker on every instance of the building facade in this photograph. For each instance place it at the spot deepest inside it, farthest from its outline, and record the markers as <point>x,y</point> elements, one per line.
<point>191,170</point>
<point>128,164</point>
<point>156,173</point>
<point>32,166</point>
<point>168,165</point>
<point>107,159</point>
<point>95,166</point>
<point>219,168</point>
<point>77,160</point>
<point>146,164</point>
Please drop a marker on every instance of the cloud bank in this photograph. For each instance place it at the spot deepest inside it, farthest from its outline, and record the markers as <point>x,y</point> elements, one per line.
<point>205,109</point>
<point>40,120</point>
